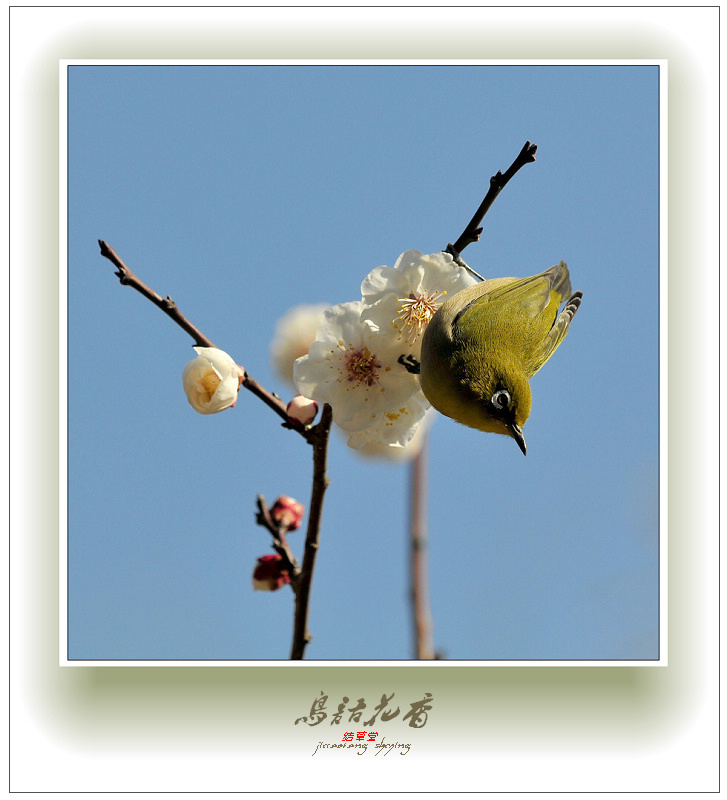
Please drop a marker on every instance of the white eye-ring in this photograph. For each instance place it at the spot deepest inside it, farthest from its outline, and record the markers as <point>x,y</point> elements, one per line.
<point>501,399</point>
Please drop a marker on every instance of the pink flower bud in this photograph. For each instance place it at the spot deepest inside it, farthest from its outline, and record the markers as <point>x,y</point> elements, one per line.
<point>269,574</point>
<point>302,410</point>
<point>287,513</point>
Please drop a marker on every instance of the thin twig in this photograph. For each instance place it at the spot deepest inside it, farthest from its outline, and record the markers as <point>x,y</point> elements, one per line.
<point>423,637</point>
<point>280,540</point>
<point>302,583</point>
<point>497,182</point>
<point>274,402</point>
<point>169,307</point>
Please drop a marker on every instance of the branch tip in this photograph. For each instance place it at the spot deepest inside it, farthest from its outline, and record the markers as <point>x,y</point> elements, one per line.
<point>498,181</point>
<point>528,151</point>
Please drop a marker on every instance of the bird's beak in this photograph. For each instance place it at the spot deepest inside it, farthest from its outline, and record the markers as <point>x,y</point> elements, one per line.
<point>517,435</point>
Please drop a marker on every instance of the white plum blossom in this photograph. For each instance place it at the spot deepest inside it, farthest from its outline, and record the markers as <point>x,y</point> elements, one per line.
<point>353,364</point>
<point>380,451</point>
<point>350,367</point>
<point>394,437</point>
<point>211,380</point>
<point>294,334</point>
<point>400,300</point>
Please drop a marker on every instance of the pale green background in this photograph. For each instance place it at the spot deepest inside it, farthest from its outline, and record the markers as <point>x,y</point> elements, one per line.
<point>208,729</point>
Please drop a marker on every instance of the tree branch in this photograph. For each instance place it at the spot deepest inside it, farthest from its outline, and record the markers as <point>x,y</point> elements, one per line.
<point>497,182</point>
<point>280,540</point>
<point>301,578</point>
<point>169,307</point>
<point>302,582</point>
<point>422,619</point>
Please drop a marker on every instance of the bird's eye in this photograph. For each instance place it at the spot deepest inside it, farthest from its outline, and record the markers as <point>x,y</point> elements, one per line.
<point>501,399</point>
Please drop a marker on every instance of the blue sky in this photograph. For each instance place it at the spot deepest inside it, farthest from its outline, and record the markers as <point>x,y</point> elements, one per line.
<point>242,191</point>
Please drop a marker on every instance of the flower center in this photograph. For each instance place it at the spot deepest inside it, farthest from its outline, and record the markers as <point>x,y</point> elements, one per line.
<point>415,313</point>
<point>210,381</point>
<point>362,366</point>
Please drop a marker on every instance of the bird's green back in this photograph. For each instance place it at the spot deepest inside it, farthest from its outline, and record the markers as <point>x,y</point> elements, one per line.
<point>520,320</point>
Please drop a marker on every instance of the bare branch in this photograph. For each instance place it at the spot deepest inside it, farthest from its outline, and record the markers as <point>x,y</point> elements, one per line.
<point>497,182</point>
<point>302,583</point>
<point>280,540</point>
<point>423,639</point>
<point>169,307</point>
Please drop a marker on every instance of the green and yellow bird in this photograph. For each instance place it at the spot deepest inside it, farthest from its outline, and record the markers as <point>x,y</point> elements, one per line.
<point>483,345</point>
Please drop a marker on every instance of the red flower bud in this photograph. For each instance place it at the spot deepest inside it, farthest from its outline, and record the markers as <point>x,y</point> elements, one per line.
<point>269,573</point>
<point>287,513</point>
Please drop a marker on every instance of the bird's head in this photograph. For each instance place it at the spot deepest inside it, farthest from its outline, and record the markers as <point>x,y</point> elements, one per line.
<point>498,401</point>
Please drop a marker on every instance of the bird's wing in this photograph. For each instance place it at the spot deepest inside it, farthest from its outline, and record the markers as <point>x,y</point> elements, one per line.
<point>536,299</point>
<point>531,295</point>
<point>555,335</point>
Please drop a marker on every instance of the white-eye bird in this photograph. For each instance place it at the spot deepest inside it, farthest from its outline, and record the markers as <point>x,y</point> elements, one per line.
<point>483,345</point>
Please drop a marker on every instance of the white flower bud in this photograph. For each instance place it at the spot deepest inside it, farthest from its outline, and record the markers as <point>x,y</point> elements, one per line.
<point>211,380</point>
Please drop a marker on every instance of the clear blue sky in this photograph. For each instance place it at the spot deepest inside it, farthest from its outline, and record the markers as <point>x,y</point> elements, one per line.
<point>243,191</point>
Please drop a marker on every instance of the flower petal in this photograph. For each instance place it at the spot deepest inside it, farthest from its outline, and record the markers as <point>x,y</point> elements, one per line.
<point>211,380</point>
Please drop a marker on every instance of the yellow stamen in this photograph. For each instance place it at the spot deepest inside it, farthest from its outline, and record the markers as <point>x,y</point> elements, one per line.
<point>415,313</point>
<point>210,381</point>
